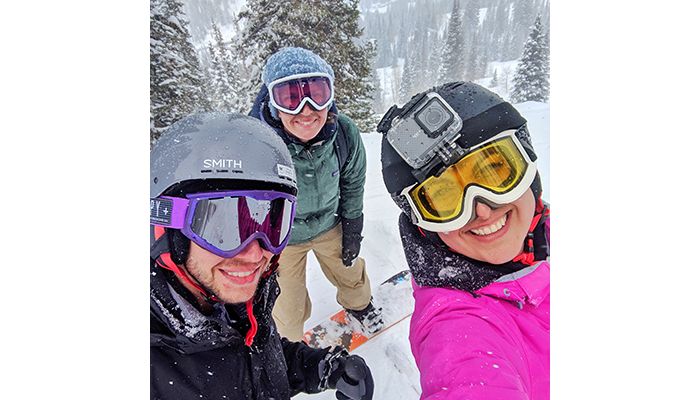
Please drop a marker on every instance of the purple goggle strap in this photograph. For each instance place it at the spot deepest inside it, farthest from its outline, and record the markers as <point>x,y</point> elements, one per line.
<point>182,214</point>
<point>169,212</point>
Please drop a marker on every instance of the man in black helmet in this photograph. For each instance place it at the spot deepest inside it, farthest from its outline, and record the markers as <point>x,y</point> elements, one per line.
<point>223,196</point>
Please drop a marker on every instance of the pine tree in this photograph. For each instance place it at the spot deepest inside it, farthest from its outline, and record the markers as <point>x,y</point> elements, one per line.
<point>523,15</point>
<point>424,74</point>
<point>217,81</point>
<point>472,48</point>
<point>377,94</point>
<point>330,29</point>
<point>225,73</point>
<point>451,68</point>
<point>503,29</point>
<point>177,82</point>
<point>209,83</point>
<point>434,60</point>
<point>531,82</point>
<point>411,68</point>
<point>494,80</point>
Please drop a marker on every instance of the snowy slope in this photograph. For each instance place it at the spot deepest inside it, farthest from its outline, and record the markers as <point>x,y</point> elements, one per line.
<point>389,355</point>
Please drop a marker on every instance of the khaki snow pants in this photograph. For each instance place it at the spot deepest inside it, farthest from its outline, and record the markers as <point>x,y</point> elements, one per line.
<point>293,306</point>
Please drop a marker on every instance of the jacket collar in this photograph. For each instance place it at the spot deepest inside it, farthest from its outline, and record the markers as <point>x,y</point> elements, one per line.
<point>434,265</point>
<point>529,285</point>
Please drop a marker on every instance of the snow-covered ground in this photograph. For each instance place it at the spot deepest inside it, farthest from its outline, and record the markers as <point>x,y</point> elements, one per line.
<point>389,355</point>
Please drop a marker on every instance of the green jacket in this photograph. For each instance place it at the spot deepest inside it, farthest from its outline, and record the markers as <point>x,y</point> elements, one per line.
<point>325,192</point>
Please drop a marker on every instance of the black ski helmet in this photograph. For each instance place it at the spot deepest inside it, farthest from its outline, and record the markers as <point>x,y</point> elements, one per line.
<point>207,152</point>
<point>484,115</point>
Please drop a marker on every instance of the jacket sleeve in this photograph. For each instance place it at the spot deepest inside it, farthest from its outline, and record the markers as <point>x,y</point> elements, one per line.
<point>352,177</point>
<point>302,366</point>
<point>461,354</point>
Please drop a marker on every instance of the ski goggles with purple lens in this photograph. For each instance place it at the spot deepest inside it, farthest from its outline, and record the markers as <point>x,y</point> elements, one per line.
<point>224,223</point>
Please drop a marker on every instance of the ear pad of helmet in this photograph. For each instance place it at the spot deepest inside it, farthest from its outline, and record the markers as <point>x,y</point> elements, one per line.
<point>179,246</point>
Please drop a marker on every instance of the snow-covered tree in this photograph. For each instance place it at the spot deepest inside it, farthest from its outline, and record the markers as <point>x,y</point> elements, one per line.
<point>452,68</point>
<point>531,81</point>
<point>412,67</point>
<point>177,82</point>
<point>377,94</point>
<point>494,79</point>
<point>224,72</point>
<point>330,29</point>
<point>523,13</point>
<point>217,80</point>
<point>434,60</point>
<point>472,47</point>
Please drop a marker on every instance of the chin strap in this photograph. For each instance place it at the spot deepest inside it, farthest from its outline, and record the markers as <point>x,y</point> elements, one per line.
<point>527,257</point>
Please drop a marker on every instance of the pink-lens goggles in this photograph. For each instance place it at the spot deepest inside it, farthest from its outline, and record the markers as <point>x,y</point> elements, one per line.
<point>291,93</point>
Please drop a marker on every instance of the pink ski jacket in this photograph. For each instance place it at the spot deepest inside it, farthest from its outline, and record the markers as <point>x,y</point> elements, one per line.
<point>493,346</point>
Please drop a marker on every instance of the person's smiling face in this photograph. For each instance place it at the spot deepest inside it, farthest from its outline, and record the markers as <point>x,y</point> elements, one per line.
<point>305,125</point>
<point>496,235</point>
<point>233,280</point>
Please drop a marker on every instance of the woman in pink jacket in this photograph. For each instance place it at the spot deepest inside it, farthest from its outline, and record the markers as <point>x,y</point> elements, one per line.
<point>458,161</point>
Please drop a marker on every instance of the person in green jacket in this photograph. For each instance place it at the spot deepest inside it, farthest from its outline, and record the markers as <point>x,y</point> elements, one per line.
<point>297,100</point>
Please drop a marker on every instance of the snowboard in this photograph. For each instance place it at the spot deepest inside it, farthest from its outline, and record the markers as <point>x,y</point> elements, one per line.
<point>394,296</point>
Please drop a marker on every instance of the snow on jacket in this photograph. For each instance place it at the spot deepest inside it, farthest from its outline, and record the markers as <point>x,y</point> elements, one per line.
<point>489,342</point>
<point>325,192</point>
<point>197,356</point>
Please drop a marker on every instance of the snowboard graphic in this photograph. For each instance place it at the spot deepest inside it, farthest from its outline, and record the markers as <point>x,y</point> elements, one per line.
<point>394,296</point>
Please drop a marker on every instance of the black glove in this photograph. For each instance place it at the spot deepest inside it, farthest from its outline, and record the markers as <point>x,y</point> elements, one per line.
<point>352,236</point>
<point>349,375</point>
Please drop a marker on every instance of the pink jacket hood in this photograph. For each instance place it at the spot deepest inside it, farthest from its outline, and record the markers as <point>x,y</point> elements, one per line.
<point>493,344</point>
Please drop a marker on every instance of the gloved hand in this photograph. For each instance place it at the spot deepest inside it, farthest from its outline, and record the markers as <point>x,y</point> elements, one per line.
<point>352,236</point>
<point>349,375</point>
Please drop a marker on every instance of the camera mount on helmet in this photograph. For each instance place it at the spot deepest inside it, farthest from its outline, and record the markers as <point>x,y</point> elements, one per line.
<point>424,133</point>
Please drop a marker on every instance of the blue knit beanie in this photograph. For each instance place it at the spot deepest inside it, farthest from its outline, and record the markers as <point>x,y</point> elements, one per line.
<point>291,61</point>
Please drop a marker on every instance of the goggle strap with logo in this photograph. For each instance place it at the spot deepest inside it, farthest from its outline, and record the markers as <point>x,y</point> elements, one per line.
<point>169,212</point>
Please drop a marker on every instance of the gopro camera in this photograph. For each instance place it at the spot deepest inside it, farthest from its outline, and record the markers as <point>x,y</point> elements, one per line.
<point>421,131</point>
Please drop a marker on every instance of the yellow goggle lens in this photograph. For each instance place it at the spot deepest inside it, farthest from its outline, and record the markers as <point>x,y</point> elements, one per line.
<point>498,166</point>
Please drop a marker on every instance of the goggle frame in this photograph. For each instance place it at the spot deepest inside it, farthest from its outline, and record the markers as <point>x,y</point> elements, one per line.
<point>474,191</point>
<point>183,211</point>
<point>305,99</point>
